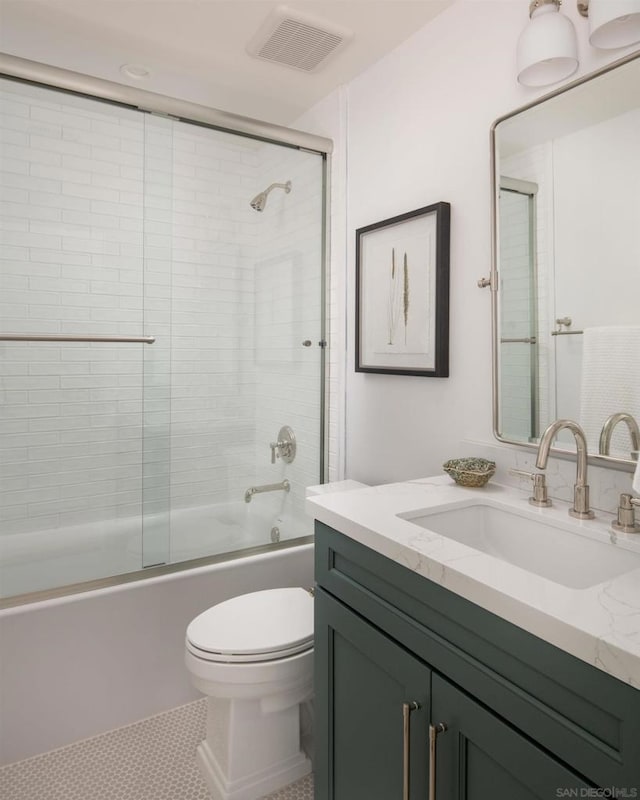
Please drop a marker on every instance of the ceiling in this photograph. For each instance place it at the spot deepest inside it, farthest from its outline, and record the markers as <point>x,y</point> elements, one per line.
<point>196,49</point>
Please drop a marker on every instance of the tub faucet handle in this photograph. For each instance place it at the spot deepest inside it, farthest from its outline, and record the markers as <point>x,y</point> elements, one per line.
<point>275,446</point>
<point>285,447</point>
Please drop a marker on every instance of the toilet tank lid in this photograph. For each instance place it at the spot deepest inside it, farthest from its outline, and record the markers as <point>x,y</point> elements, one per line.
<point>260,622</point>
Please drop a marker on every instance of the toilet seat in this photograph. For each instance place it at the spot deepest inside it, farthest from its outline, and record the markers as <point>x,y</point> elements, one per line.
<point>256,627</point>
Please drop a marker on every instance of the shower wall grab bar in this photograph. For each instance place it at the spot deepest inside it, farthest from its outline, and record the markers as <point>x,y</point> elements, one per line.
<point>72,337</point>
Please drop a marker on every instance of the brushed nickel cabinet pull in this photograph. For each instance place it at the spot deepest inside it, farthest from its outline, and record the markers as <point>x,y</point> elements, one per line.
<point>407,708</point>
<point>434,730</point>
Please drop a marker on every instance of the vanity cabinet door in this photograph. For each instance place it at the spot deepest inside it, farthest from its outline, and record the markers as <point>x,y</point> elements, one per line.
<point>479,756</point>
<point>366,687</point>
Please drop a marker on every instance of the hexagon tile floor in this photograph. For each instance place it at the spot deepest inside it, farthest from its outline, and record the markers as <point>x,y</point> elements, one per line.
<point>153,759</point>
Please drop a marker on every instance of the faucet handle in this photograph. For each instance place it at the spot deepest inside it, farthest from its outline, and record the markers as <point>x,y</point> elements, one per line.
<point>539,496</point>
<point>275,447</point>
<point>626,521</point>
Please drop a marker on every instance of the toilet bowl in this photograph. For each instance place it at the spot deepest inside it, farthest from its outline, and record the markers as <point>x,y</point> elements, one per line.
<point>252,656</point>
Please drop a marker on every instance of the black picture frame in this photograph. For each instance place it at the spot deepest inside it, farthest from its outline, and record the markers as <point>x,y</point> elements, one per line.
<point>402,294</point>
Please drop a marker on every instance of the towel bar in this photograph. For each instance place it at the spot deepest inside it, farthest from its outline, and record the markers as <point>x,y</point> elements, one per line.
<point>71,337</point>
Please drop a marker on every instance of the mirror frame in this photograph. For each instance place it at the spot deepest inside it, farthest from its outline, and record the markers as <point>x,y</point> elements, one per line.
<point>492,282</point>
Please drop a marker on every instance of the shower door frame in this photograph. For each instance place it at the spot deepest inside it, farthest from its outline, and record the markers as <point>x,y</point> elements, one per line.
<point>49,77</point>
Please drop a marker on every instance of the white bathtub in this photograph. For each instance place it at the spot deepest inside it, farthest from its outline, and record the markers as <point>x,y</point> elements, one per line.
<point>79,665</point>
<point>41,560</point>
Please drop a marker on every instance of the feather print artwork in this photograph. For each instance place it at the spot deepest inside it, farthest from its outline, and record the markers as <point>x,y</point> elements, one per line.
<point>394,299</point>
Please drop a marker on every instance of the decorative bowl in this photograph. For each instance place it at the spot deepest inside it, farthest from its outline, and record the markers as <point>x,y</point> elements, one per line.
<point>473,472</point>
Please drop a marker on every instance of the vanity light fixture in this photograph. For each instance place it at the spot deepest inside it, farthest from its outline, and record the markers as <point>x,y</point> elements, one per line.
<point>547,47</point>
<point>612,23</point>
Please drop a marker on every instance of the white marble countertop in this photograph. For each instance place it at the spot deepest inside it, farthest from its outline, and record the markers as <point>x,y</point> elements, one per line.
<point>599,624</point>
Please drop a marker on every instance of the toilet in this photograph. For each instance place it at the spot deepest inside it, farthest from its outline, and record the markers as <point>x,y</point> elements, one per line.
<point>252,656</point>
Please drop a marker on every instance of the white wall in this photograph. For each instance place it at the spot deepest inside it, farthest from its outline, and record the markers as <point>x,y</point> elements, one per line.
<point>417,133</point>
<point>604,200</point>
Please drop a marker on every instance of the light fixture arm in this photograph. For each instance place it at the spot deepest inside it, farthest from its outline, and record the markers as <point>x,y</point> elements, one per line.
<point>583,7</point>
<point>538,3</point>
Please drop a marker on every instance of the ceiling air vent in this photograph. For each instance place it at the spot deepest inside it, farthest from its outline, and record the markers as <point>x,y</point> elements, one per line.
<point>297,40</point>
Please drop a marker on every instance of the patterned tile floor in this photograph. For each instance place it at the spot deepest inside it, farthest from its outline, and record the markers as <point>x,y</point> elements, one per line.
<point>150,760</point>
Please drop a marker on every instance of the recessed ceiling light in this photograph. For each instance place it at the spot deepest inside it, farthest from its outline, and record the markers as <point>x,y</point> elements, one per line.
<point>136,71</point>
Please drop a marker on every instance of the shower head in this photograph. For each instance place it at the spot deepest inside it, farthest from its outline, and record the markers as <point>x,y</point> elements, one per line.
<point>260,200</point>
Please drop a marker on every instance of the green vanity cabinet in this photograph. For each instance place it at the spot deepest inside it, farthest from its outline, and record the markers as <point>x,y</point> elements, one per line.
<point>374,728</point>
<point>397,655</point>
<point>374,685</point>
<point>480,757</point>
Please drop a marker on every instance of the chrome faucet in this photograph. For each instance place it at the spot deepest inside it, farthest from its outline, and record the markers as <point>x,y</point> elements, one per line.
<point>580,508</point>
<point>283,486</point>
<point>607,432</point>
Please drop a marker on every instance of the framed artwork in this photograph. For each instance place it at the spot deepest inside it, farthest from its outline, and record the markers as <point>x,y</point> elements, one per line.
<point>402,294</point>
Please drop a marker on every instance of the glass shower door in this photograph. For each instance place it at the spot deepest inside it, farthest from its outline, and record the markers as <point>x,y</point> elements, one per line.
<point>71,418</point>
<point>519,341</point>
<point>247,350</point>
<point>289,333</point>
<point>161,321</point>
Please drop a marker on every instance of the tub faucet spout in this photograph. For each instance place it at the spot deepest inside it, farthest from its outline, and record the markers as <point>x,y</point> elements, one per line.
<point>580,508</point>
<point>283,486</point>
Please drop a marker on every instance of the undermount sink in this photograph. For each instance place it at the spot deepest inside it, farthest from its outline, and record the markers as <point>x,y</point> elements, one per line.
<point>544,547</point>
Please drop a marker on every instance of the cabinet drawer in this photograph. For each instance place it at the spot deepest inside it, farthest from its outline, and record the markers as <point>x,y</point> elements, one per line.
<point>584,716</point>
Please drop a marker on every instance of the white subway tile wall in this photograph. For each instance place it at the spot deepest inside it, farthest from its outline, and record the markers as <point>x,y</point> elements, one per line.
<point>115,222</point>
<point>71,414</point>
<point>287,312</point>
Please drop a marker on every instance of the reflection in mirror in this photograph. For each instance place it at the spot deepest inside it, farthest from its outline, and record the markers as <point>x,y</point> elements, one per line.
<point>567,306</point>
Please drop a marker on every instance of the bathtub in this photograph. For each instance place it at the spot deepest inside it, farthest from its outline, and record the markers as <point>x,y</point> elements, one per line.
<point>42,560</point>
<point>75,666</point>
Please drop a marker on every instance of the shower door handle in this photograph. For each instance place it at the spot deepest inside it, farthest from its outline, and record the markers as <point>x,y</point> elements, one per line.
<point>74,337</point>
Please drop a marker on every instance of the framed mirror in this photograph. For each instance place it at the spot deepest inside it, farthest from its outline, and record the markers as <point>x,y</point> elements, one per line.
<point>566,264</point>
